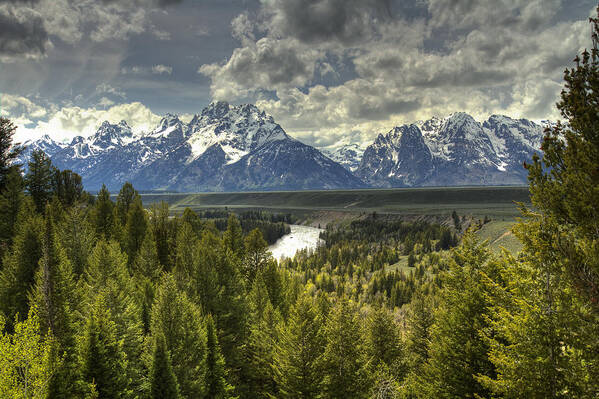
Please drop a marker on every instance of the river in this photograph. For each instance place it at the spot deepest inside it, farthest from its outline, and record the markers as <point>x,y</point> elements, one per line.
<point>300,237</point>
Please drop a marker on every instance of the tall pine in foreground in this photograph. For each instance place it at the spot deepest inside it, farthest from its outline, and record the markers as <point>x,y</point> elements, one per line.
<point>163,382</point>
<point>546,320</point>
<point>9,151</point>
<point>56,298</point>
<point>298,357</point>
<point>217,386</point>
<point>103,361</point>
<point>457,351</point>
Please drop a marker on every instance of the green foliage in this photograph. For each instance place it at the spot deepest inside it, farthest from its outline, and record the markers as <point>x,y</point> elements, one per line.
<point>298,357</point>
<point>344,368</point>
<point>162,379</point>
<point>38,179</point>
<point>456,343</point>
<point>67,186</point>
<point>217,386</point>
<point>135,230</point>
<point>233,237</point>
<point>25,356</point>
<point>180,321</point>
<point>11,199</point>
<point>8,150</point>
<point>20,265</point>
<point>256,254</point>
<point>126,197</point>
<point>102,215</point>
<point>103,361</point>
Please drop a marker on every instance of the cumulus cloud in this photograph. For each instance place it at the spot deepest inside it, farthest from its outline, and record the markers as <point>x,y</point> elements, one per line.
<point>34,120</point>
<point>487,56</point>
<point>162,69</point>
<point>22,33</point>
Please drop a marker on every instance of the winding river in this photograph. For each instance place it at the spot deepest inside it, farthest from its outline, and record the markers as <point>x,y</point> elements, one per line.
<point>300,237</point>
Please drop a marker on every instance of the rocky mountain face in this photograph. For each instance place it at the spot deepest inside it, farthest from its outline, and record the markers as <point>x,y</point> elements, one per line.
<point>453,151</point>
<point>225,148</point>
<point>240,148</point>
<point>347,155</point>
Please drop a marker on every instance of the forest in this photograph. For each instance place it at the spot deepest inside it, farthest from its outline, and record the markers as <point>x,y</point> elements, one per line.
<point>107,299</point>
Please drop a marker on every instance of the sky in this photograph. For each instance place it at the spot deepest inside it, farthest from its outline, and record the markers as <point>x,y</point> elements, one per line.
<point>329,71</point>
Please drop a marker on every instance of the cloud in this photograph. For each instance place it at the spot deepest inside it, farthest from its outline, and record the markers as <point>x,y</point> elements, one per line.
<point>22,33</point>
<point>267,64</point>
<point>317,21</point>
<point>34,120</point>
<point>162,69</point>
<point>105,88</point>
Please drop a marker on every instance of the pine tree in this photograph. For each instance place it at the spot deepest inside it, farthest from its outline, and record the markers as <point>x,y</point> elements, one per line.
<point>102,215</point>
<point>256,254</point>
<point>344,370</point>
<point>107,275</point>
<point>146,264</point>
<point>135,230</point>
<point>20,265</point>
<point>56,298</point>
<point>233,237</point>
<point>298,357</point>
<point>260,348</point>
<point>9,151</point>
<point>67,186</point>
<point>103,361</point>
<point>126,197</point>
<point>564,183</point>
<point>186,261</point>
<point>11,199</point>
<point>457,351</point>
<point>38,179</point>
<point>216,383</point>
<point>163,381</point>
<point>180,321</point>
<point>382,342</point>
<point>77,237</point>
<point>159,224</point>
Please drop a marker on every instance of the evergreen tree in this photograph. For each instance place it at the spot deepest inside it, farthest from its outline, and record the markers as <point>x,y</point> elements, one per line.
<point>180,321</point>
<point>564,184</point>
<point>298,356</point>
<point>382,342</point>
<point>260,349</point>
<point>256,254</point>
<point>9,151</point>
<point>102,214</point>
<point>67,186</point>
<point>146,265</point>
<point>77,237</point>
<point>20,265</point>
<point>186,261</point>
<point>56,298</point>
<point>162,379</point>
<point>103,361</point>
<point>457,351</point>
<point>126,197</point>
<point>38,179</point>
<point>344,370</point>
<point>135,229</point>
<point>107,275</point>
<point>159,227</point>
<point>217,386</point>
<point>11,199</point>
<point>233,236</point>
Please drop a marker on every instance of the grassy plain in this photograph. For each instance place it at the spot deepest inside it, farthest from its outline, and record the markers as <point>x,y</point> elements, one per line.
<point>495,202</point>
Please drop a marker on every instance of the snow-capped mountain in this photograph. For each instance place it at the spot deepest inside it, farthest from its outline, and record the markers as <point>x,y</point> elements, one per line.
<point>224,148</point>
<point>347,155</point>
<point>456,150</point>
<point>45,143</point>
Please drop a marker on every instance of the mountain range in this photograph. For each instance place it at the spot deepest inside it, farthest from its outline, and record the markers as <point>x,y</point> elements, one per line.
<point>241,148</point>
